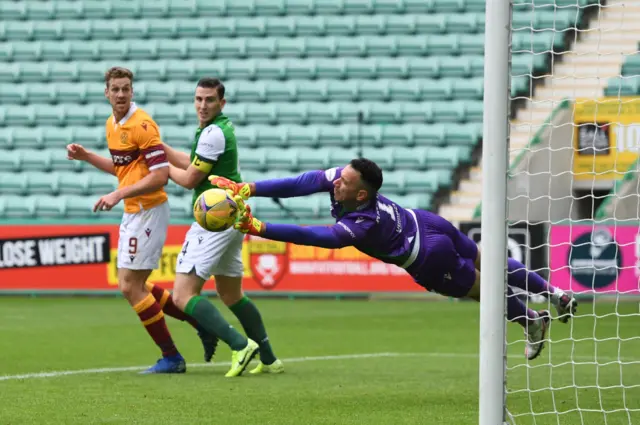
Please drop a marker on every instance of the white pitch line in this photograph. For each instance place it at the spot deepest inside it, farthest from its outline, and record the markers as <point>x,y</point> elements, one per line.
<point>59,373</point>
<point>56,374</point>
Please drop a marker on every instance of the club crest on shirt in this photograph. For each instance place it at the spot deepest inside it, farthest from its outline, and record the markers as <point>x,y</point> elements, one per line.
<point>268,260</point>
<point>124,137</point>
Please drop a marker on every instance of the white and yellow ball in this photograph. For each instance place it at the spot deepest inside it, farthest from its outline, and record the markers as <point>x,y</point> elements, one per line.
<point>215,210</point>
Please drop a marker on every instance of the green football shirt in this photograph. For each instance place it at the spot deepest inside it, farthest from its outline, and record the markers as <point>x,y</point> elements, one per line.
<point>215,152</point>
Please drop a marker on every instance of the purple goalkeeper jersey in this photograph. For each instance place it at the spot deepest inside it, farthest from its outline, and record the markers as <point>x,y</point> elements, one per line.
<point>426,245</point>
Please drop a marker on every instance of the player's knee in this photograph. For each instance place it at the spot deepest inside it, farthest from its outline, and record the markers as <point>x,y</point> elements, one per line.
<point>186,287</point>
<point>131,289</point>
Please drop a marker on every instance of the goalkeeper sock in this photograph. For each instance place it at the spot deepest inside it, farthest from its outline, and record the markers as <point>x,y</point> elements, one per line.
<point>251,321</point>
<point>212,321</point>
<point>517,311</point>
<point>152,317</point>
<point>527,280</point>
<point>169,308</point>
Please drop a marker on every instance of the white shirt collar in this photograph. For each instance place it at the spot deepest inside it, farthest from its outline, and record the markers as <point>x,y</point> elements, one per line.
<point>132,109</point>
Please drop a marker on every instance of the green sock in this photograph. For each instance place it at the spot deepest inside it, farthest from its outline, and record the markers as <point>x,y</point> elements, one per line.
<point>249,316</point>
<point>212,321</point>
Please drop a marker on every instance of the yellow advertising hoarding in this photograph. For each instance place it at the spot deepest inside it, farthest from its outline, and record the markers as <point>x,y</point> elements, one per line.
<point>606,137</point>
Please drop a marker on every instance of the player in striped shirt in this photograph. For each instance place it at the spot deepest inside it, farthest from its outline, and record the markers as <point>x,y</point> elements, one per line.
<point>139,162</point>
<point>434,253</point>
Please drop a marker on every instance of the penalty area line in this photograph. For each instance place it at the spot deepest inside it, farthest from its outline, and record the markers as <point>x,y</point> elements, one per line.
<point>60,373</point>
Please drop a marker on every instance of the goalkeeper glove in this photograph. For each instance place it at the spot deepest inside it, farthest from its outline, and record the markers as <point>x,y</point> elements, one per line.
<point>233,188</point>
<point>245,221</point>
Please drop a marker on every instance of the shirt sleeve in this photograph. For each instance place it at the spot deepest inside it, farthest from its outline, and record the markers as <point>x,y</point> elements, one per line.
<point>150,145</point>
<point>301,185</point>
<point>211,144</point>
<point>344,233</point>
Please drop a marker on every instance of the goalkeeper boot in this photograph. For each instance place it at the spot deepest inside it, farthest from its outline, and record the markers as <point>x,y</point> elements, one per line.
<point>275,367</point>
<point>209,343</point>
<point>566,305</point>
<point>171,364</point>
<point>241,359</point>
<point>537,330</point>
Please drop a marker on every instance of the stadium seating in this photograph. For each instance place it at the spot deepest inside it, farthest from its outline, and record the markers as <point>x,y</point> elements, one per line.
<point>309,83</point>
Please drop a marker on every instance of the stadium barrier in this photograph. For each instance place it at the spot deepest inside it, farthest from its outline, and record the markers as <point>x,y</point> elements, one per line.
<point>82,259</point>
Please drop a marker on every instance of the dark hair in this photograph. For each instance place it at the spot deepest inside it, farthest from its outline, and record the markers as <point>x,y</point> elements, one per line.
<point>212,83</point>
<point>117,72</point>
<point>370,173</point>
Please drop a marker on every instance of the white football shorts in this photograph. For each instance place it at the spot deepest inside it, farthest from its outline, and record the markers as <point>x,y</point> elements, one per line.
<point>142,237</point>
<point>211,253</point>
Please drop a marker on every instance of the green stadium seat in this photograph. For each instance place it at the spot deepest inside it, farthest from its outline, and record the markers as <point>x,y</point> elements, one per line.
<point>370,135</point>
<point>6,138</point>
<point>19,116</point>
<point>59,162</point>
<point>13,184</point>
<point>307,207</point>
<point>411,158</point>
<point>13,94</point>
<point>82,207</point>
<point>68,93</point>
<point>465,134</point>
<point>13,11</point>
<point>71,183</point>
<point>464,23</point>
<point>42,183</point>
<point>467,88</point>
<point>35,160</point>
<point>22,207</point>
<point>623,86</point>
<point>51,207</point>
<point>443,158</point>
<point>394,182</point>
<point>340,157</point>
<point>253,159</point>
<point>167,114</point>
<point>302,136</point>
<point>102,183</point>
<point>10,161</point>
<point>313,159</point>
<point>396,135</point>
<point>421,181</point>
<point>41,93</point>
<point>17,30</point>
<point>89,137</point>
<point>29,138</point>
<point>414,201</point>
<point>59,137</point>
<point>338,136</point>
<point>412,68</point>
<point>76,30</point>
<point>285,159</point>
<point>382,156</point>
<point>177,136</point>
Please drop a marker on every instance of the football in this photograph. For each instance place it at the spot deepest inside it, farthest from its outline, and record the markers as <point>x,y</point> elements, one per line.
<point>214,210</point>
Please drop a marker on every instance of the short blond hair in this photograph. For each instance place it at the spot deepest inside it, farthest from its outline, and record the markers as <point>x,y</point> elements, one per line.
<point>117,72</point>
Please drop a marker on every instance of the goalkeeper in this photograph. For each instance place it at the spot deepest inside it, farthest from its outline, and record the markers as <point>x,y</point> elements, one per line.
<point>436,254</point>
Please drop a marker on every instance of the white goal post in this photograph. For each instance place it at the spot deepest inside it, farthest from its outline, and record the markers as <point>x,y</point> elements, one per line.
<point>577,177</point>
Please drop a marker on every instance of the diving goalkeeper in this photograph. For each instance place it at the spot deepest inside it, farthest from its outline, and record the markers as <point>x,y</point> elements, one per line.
<point>436,254</point>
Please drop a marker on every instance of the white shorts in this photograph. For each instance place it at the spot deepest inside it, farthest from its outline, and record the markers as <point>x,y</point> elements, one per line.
<point>142,237</point>
<point>211,253</point>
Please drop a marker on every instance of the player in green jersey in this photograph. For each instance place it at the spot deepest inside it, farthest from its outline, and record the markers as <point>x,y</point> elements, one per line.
<point>215,152</point>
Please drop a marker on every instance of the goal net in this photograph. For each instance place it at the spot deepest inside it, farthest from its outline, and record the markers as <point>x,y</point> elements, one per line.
<point>573,177</point>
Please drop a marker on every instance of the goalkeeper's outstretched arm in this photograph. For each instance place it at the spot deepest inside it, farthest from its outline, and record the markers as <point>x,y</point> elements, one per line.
<point>320,236</point>
<point>290,187</point>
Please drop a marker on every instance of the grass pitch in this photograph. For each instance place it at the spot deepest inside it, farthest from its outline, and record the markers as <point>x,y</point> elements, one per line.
<point>347,362</point>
